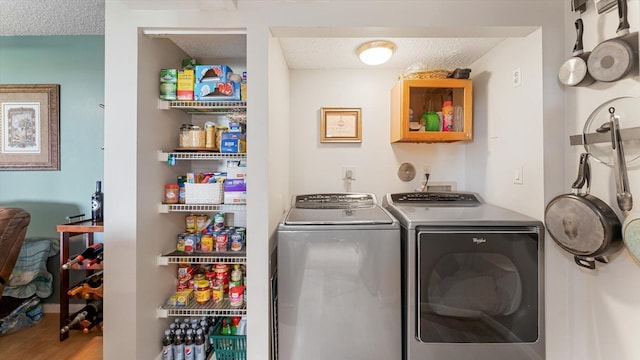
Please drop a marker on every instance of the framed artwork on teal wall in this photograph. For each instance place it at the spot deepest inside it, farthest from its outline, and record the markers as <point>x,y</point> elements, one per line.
<point>30,127</point>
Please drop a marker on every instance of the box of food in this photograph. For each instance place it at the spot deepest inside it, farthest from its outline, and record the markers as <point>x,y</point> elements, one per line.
<point>186,82</point>
<point>232,185</point>
<point>168,84</point>
<point>233,143</point>
<point>235,197</point>
<point>217,91</point>
<point>236,169</point>
<point>236,127</point>
<point>212,73</point>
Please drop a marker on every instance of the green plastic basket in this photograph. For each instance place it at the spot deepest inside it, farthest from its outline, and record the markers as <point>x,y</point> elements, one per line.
<point>228,347</point>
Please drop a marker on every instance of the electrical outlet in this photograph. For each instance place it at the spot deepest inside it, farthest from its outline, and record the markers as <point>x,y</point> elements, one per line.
<point>348,172</point>
<point>426,169</point>
<point>517,77</point>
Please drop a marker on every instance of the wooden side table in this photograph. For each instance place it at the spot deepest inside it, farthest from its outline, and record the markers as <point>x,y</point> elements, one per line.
<point>86,228</point>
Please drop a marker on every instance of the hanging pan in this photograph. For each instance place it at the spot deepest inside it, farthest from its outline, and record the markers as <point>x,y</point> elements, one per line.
<point>574,71</point>
<point>582,224</point>
<point>613,59</point>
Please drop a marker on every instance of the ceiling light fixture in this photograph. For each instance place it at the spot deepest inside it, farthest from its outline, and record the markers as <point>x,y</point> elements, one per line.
<point>376,52</point>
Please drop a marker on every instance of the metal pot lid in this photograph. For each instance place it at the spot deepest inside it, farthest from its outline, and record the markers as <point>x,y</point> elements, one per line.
<point>575,225</point>
<point>631,234</point>
<point>610,60</point>
<point>573,71</point>
<point>627,109</point>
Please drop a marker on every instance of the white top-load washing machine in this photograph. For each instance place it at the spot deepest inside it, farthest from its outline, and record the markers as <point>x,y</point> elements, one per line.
<point>338,279</point>
<point>473,278</point>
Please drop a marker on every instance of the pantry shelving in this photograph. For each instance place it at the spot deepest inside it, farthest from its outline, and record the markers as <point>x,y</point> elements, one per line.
<point>204,107</point>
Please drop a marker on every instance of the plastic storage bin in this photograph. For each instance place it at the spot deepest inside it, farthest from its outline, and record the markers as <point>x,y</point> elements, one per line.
<point>211,193</point>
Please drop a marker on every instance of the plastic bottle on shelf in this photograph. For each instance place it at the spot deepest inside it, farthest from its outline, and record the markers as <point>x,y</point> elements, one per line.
<point>178,346</point>
<point>167,345</point>
<point>199,347</point>
<point>188,345</point>
<point>447,113</point>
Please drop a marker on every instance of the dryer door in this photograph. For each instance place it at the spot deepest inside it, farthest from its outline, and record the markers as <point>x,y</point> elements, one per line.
<point>478,285</point>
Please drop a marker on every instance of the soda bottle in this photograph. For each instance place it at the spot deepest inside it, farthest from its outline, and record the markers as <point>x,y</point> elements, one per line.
<point>199,347</point>
<point>178,346</point>
<point>188,345</point>
<point>167,346</point>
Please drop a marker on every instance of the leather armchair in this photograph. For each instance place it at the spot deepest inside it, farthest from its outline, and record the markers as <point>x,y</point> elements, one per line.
<point>13,228</point>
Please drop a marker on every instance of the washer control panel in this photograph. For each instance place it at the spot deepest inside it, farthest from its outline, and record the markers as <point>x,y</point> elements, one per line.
<point>436,198</point>
<point>334,201</point>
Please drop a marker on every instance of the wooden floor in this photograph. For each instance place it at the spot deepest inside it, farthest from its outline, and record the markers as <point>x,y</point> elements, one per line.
<point>41,342</point>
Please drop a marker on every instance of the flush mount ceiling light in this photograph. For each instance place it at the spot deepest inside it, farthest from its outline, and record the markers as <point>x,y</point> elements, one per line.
<point>376,52</point>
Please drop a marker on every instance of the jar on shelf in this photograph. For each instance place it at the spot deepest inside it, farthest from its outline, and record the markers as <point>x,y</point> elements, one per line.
<point>198,136</point>
<point>171,193</point>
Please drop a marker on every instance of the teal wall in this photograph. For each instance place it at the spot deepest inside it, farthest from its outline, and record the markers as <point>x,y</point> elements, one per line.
<point>77,64</point>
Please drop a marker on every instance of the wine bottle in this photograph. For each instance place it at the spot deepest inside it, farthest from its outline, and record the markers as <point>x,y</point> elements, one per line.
<point>98,319</point>
<point>97,204</point>
<point>89,253</point>
<point>90,312</point>
<point>93,281</point>
<point>97,260</point>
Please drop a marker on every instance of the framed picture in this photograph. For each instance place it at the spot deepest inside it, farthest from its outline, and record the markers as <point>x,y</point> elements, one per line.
<point>30,127</point>
<point>341,125</point>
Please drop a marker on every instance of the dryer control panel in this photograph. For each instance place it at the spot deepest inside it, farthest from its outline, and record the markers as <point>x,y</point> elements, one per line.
<point>436,198</point>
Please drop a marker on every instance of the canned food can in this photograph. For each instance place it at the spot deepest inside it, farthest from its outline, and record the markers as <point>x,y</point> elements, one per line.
<point>190,241</point>
<point>201,222</point>
<point>206,243</point>
<point>218,221</point>
<point>180,242</point>
<point>236,242</point>
<point>221,242</point>
<point>217,292</point>
<point>190,222</point>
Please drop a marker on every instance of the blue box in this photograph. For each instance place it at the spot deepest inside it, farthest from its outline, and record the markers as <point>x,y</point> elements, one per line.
<point>212,73</point>
<point>221,91</point>
<point>233,143</point>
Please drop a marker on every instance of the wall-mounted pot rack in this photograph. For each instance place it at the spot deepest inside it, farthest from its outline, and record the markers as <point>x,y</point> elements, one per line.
<point>596,138</point>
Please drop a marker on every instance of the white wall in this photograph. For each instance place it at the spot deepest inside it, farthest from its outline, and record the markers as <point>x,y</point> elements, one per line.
<point>603,304</point>
<point>316,166</point>
<point>508,126</point>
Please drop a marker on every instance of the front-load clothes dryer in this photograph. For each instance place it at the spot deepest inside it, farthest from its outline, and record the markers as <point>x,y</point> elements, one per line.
<point>338,293</point>
<point>473,278</point>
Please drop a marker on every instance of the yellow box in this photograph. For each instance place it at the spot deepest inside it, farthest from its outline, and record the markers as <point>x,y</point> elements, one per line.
<point>184,297</point>
<point>186,81</point>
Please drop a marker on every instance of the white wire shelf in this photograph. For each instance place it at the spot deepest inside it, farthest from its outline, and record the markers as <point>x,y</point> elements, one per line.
<point>210,308</point>
<point>167,208</point>
<point>204,107</point>
<point>179,155</point>
<point>226,257</point>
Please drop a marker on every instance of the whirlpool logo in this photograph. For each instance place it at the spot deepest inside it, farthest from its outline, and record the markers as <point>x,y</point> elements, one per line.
<point>479,240</point>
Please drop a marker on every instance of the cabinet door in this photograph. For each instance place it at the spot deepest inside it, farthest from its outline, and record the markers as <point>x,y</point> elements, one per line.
<point>417,107</point>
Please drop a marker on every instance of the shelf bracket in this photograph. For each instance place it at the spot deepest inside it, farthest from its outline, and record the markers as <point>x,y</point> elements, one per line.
<point>162,261</point>
<point>162,313</point>
<point>163,209</point>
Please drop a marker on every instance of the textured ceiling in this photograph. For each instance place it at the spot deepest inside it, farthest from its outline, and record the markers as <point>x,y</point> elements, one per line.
<point>51,17</point>
<point>86,17</point>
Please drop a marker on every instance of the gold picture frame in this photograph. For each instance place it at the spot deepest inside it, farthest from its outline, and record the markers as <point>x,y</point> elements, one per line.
<point>343,125</point>
<point>30,127</point>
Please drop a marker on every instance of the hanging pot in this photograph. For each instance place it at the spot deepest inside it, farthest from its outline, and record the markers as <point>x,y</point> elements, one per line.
<point>613,59</point>
<point>574,71</point>
<point>582,224</point>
